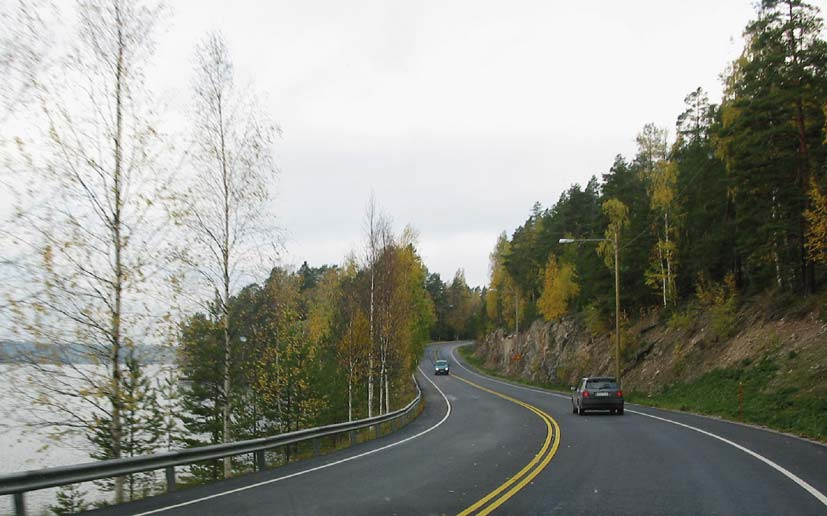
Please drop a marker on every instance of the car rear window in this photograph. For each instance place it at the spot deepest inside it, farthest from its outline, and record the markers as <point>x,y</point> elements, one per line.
<point>596,385</point>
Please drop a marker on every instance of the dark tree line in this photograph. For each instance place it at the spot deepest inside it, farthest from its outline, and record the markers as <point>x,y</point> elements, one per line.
<point>456,307</point>
<point>736,199</point>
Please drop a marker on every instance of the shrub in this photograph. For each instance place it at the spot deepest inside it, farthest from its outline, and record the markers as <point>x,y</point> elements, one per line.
<point>724,320</point>
<point>593,320</point>
<point>679,321</point>
<point>720,299</point>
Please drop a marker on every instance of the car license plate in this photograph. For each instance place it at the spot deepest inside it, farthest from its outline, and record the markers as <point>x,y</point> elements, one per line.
<point>602,394</point>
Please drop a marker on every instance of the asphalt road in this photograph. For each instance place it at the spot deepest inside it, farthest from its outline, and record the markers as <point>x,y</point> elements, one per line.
<point>482,445</point>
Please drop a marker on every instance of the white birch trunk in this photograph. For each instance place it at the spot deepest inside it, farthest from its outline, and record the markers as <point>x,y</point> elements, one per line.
<point>669,281</point>
<point>387,394</point>
<point>371,322</point>
<point>779,278</point>
<point>117,423</point>
<point>382,363</point>
<point>350,391</point>
<point>662,273</point>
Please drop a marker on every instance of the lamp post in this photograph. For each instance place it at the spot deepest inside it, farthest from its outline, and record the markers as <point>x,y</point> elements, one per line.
<point>615,241</point>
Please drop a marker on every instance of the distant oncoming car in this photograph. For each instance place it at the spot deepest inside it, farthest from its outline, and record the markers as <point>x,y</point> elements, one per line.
<point>597,393</point>
<point>441,367</point>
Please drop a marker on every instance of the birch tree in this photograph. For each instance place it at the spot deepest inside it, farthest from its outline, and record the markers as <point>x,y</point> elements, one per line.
<point>410,314</point>
<point>353,330</point>
<point>503,301</point>
<point>25,44</point>
<point>661,273</point>
<point>377,230</point>
<point>225,211</point>
<point>387,272</point>
<point>351,350</point>
<point>25,41</point>
<point>661,177</point>
<point>89,221</point>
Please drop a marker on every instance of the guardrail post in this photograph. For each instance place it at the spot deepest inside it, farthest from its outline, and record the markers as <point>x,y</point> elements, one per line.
<point>377,432</point>
<point>352,435</point>
<point>393,425</point>
<point>261,461</point>
<point>170,474</point>
<point>19,505</point>
<point>316,447</point>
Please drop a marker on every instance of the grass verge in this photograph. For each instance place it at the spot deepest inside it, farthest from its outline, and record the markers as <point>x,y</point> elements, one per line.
<point>716,394</point>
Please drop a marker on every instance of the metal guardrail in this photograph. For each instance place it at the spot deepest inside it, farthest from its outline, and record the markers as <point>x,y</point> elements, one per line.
<point>17,484</point>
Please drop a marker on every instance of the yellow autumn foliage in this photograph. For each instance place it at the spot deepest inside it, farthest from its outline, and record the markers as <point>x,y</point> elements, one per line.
<point>618,214</point>
<point>503,300</point>
<point>559,287</point>
<point>816,217</point>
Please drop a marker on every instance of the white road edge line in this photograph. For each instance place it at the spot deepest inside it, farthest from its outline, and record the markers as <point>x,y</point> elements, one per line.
<point>787,473</point>
<point>323,466</point>
<point>792,476</point>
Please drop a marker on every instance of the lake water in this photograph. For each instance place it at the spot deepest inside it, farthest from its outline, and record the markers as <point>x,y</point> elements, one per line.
<point>25,448</point>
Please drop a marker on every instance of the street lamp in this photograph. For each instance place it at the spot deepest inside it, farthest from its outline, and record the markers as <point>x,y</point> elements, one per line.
<point>617,290</point>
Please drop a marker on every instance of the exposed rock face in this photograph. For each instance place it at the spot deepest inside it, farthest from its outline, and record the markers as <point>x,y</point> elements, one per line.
<point>656,354</point>
<point>557,352</point>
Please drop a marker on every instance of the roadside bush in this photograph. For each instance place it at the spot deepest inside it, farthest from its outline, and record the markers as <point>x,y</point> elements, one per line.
<point>724,319</point>
<point>721,301</point>
<point>593,319</point>
<point>629,346</point>
<point>679,321</point>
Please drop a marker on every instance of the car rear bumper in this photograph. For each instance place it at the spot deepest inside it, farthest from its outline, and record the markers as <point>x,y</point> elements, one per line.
<point>602,403</point>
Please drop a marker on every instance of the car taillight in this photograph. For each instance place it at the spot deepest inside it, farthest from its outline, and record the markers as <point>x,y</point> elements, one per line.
<point>619,394</point>
<point>585,394</point>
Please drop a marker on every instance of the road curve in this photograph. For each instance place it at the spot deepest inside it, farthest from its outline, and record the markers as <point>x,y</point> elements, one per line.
<point>441,465</point>
<point>652,461</point>
<point>479,435</point>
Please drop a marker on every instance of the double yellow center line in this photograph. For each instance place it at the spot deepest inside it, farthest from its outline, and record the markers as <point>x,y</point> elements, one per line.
<point>510,487</point>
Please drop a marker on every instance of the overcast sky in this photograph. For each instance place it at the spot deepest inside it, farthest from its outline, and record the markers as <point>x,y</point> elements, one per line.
<point>458,115</point>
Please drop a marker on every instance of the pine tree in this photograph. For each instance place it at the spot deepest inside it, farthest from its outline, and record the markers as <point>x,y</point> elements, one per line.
<point>142,426</point>
<point>70,499</point>
<point>437,289</point>
<point>703,197</point>
<point>461,306</point>
<point>771,139</point>
<point>167,410</point>
<point>201,355</point>
<point>627,184</point>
